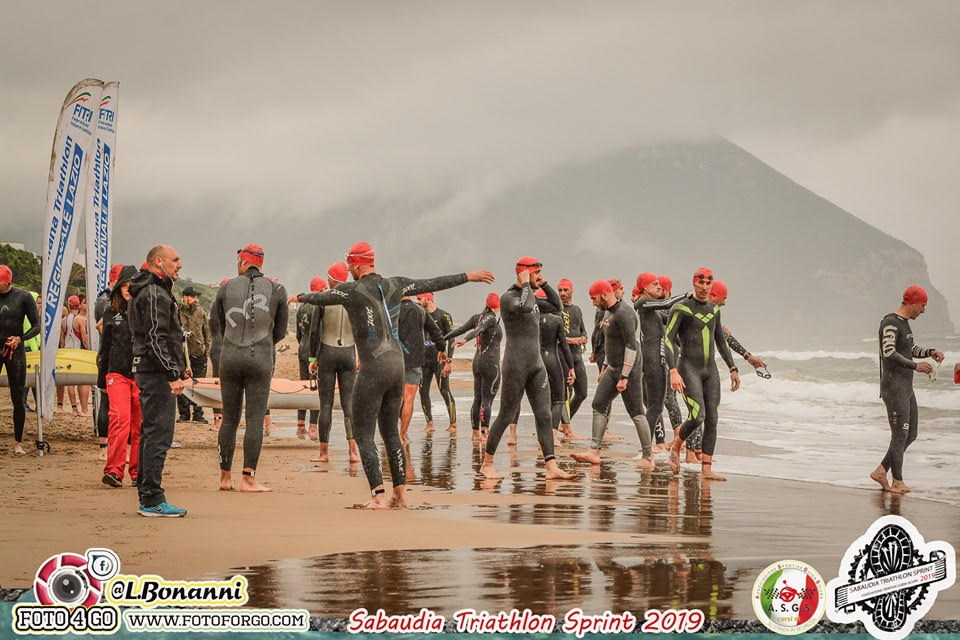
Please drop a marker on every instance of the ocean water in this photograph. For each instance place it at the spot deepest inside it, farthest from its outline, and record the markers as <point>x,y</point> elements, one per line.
<point>820,418</point>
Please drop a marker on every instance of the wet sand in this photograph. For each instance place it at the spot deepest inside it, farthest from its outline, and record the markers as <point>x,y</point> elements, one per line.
<point>615,538</point>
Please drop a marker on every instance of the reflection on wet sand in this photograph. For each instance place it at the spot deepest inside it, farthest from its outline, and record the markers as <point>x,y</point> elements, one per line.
<point>544,579</point>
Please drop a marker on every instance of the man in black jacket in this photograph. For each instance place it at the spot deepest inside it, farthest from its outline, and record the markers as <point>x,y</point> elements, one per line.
<point>158,367</point>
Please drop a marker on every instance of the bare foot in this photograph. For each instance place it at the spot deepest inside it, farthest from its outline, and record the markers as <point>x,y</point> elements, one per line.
<point>661,447</point>
<point>557,440</point>
<point>646,464</point>
<point>707,473</point>
<point>452,428</point>
<point>102,456</point>
<point>312,433</point>
<point>378,502</point>
<point>354,451</point>
<point>568,432</point>
<point>612,437</point>
<point>323,455</point>
<point>591,456</point>
<point>487,470</point>
<point>554,472</point>
<point>429,426</point>
<point>899,486</point>
<point>398,501</point>
<point>76,414</point>
<point>225,481</point>
<point>86,414</point>
<point>691,456</point>
<point>18,449</point>
<point>301,431</point>
<point>879,475</point>
<point>250,485</point>
<point>674,460</point>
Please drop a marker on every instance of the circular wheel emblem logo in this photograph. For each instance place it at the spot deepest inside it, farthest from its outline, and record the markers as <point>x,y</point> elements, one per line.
<point>789,597</point>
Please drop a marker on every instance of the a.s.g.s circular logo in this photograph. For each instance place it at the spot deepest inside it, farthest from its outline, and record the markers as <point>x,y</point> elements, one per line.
<point>789,597</point>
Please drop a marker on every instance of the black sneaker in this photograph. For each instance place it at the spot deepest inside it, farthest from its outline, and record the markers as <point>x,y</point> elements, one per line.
<point>112,479</point>
<point>183,419</point>
<point>200,420</point>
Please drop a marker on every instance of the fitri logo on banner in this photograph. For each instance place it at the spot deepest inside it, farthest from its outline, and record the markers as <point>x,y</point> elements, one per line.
<point>889,578</point>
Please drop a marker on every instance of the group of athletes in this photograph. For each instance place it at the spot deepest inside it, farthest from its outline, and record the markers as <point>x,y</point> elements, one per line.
<point>368,339</point>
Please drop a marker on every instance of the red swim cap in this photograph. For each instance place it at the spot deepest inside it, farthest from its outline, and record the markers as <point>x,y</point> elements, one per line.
<point>915,295</point>
<point>527,263</point>
<point>615,284</point>
<point>318,284</point>
<point>115,272</point>
<point>563,282</point>
<point>636,292</point>
<point>645,279</point>
<point>425,296</point>
<point>665,282</point>
<point>6,275</point>
<point>702,272</point>
<point>338,271</point>
<point>600,287</point>
<point>73,302</point>
<point>493,301</point>
<point>252,253</point>
<point>718,290</point>
<point>539,293</point>
<point>224,281</point>
<point>145,266</point>
<point>360,255</point>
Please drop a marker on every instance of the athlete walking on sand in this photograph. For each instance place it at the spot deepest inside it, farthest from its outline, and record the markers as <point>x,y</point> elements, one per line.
<point>373,302</point>
<point>694,333</point>
<point>523,368</point>
<point>485,327</point>
<point>622,374</point>
<point>897,352</point>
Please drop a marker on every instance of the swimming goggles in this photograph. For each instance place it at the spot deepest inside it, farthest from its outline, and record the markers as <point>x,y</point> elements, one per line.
<point>764,373</point>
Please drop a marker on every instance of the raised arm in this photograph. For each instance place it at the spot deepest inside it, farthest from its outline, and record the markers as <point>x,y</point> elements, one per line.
<point>488,321</point>
<point>465,327</point>
<point>551,303</point>
<point>329,297</point>
<point>522,302</point>
<point>658,305</point>
<point>410,287</point>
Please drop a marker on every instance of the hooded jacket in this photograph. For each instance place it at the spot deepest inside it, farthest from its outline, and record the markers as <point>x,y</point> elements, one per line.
<point>155,327</point>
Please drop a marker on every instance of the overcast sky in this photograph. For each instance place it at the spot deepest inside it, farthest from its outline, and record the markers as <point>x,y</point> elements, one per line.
<point>267,117</point>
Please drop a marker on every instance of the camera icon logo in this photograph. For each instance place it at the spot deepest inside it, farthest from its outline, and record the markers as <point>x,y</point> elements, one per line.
<point>72,580</point>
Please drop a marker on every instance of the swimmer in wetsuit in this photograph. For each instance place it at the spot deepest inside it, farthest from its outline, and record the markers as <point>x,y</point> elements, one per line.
<point>558,361</point>
<point>373,304</point>
<point>694,333</point>
<point>485,328</point>
<point>897,368</point>
<point>622,375</point>
<point>334,362</point>
<point>16,305</point>
<point>577,339</point>
<point>432,370</point>
<point>523,368</point>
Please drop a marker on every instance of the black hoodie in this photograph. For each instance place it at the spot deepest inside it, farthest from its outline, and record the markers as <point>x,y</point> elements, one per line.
<point>155,327</point>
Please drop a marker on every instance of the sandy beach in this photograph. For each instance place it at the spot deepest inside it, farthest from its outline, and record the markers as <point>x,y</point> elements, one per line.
<point>616,538</point>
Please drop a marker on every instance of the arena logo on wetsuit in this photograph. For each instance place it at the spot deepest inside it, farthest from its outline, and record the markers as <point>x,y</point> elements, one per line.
<point>889,578</point>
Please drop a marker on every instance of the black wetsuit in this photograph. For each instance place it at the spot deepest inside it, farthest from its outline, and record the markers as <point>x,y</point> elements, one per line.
<point>415,324</point>
<point>596,338</point>
<point>331,342</point>
<point>558,361</point>
<point>304,355</point>
<point>433,371</point>
<point>523,368</point>
<point>373,304</point>
<point>623,359</point>
<point>485,327</point>
<point>251,312</point>
<point>897,367</point>
<point>670,401</point>
<point>15,305</point>
<point>655,374</point>
<point>573,325</point>
<point>694,333</point>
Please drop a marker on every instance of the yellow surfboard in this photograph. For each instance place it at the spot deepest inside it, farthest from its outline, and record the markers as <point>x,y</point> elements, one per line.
<point>74,366</point>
